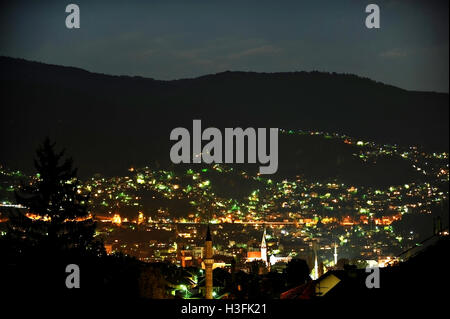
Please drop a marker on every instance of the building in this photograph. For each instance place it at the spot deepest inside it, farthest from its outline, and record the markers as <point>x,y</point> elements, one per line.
<point>185,257</point>
<point>261,254</point>
<point>190,256</point>
<point>279,259</point>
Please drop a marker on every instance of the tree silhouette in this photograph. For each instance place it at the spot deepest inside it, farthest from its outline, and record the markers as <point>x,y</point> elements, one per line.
<point>59,219</point>
<point>297,272</point>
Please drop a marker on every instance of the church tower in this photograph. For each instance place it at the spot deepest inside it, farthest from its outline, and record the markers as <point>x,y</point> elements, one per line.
<point>209,261</point>
<point>264,248</point>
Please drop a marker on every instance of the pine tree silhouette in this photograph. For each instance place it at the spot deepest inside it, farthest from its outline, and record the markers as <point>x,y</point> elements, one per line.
<point>61,221</point>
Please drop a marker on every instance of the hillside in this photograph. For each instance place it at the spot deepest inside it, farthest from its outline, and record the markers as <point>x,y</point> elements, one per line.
<point>111,122</point>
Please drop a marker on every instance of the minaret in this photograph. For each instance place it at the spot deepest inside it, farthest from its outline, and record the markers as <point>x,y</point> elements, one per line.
<point>335,254</point>
<point>316,267</point>
<point>315,245</point>
<point>209,261</point>
<point>264,248</point>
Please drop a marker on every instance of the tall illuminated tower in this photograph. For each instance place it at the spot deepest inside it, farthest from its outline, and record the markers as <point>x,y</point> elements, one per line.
<point>315,247</point>
<point>335,254</point>
<point>264,248</point>
<point>316,267</point>
<point>209,261</point>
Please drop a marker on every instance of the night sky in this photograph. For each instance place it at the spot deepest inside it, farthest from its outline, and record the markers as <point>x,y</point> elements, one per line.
<point>176,39</point>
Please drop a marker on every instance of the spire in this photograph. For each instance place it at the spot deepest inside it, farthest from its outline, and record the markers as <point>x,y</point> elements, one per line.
<point>335,254</point>
<point>263,241</point>
<point>315,245</point>
<point>264,247</point>
<point>316,267</point>
<point>208,235</point>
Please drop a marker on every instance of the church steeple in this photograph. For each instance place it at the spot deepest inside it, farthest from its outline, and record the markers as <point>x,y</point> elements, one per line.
<point>264,247</point>
<point>263,241</point>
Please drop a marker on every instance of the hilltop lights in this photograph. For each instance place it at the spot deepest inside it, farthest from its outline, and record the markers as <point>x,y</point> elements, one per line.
<point>212,151</point>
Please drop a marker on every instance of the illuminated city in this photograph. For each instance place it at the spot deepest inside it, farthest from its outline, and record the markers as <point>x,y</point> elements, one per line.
<point>161,215</point>
<point>257,159</point>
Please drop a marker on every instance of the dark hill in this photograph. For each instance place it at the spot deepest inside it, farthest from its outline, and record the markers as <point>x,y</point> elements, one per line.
<point>111,122</point>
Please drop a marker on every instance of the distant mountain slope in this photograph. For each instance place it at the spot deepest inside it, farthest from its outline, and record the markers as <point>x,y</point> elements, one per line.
<point>110,122</point>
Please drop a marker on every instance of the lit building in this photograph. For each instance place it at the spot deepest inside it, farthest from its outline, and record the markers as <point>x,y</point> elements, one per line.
<point>279,259</point>
<point>261,254</point>
<point>108,248</point>
<point>185,257</point>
